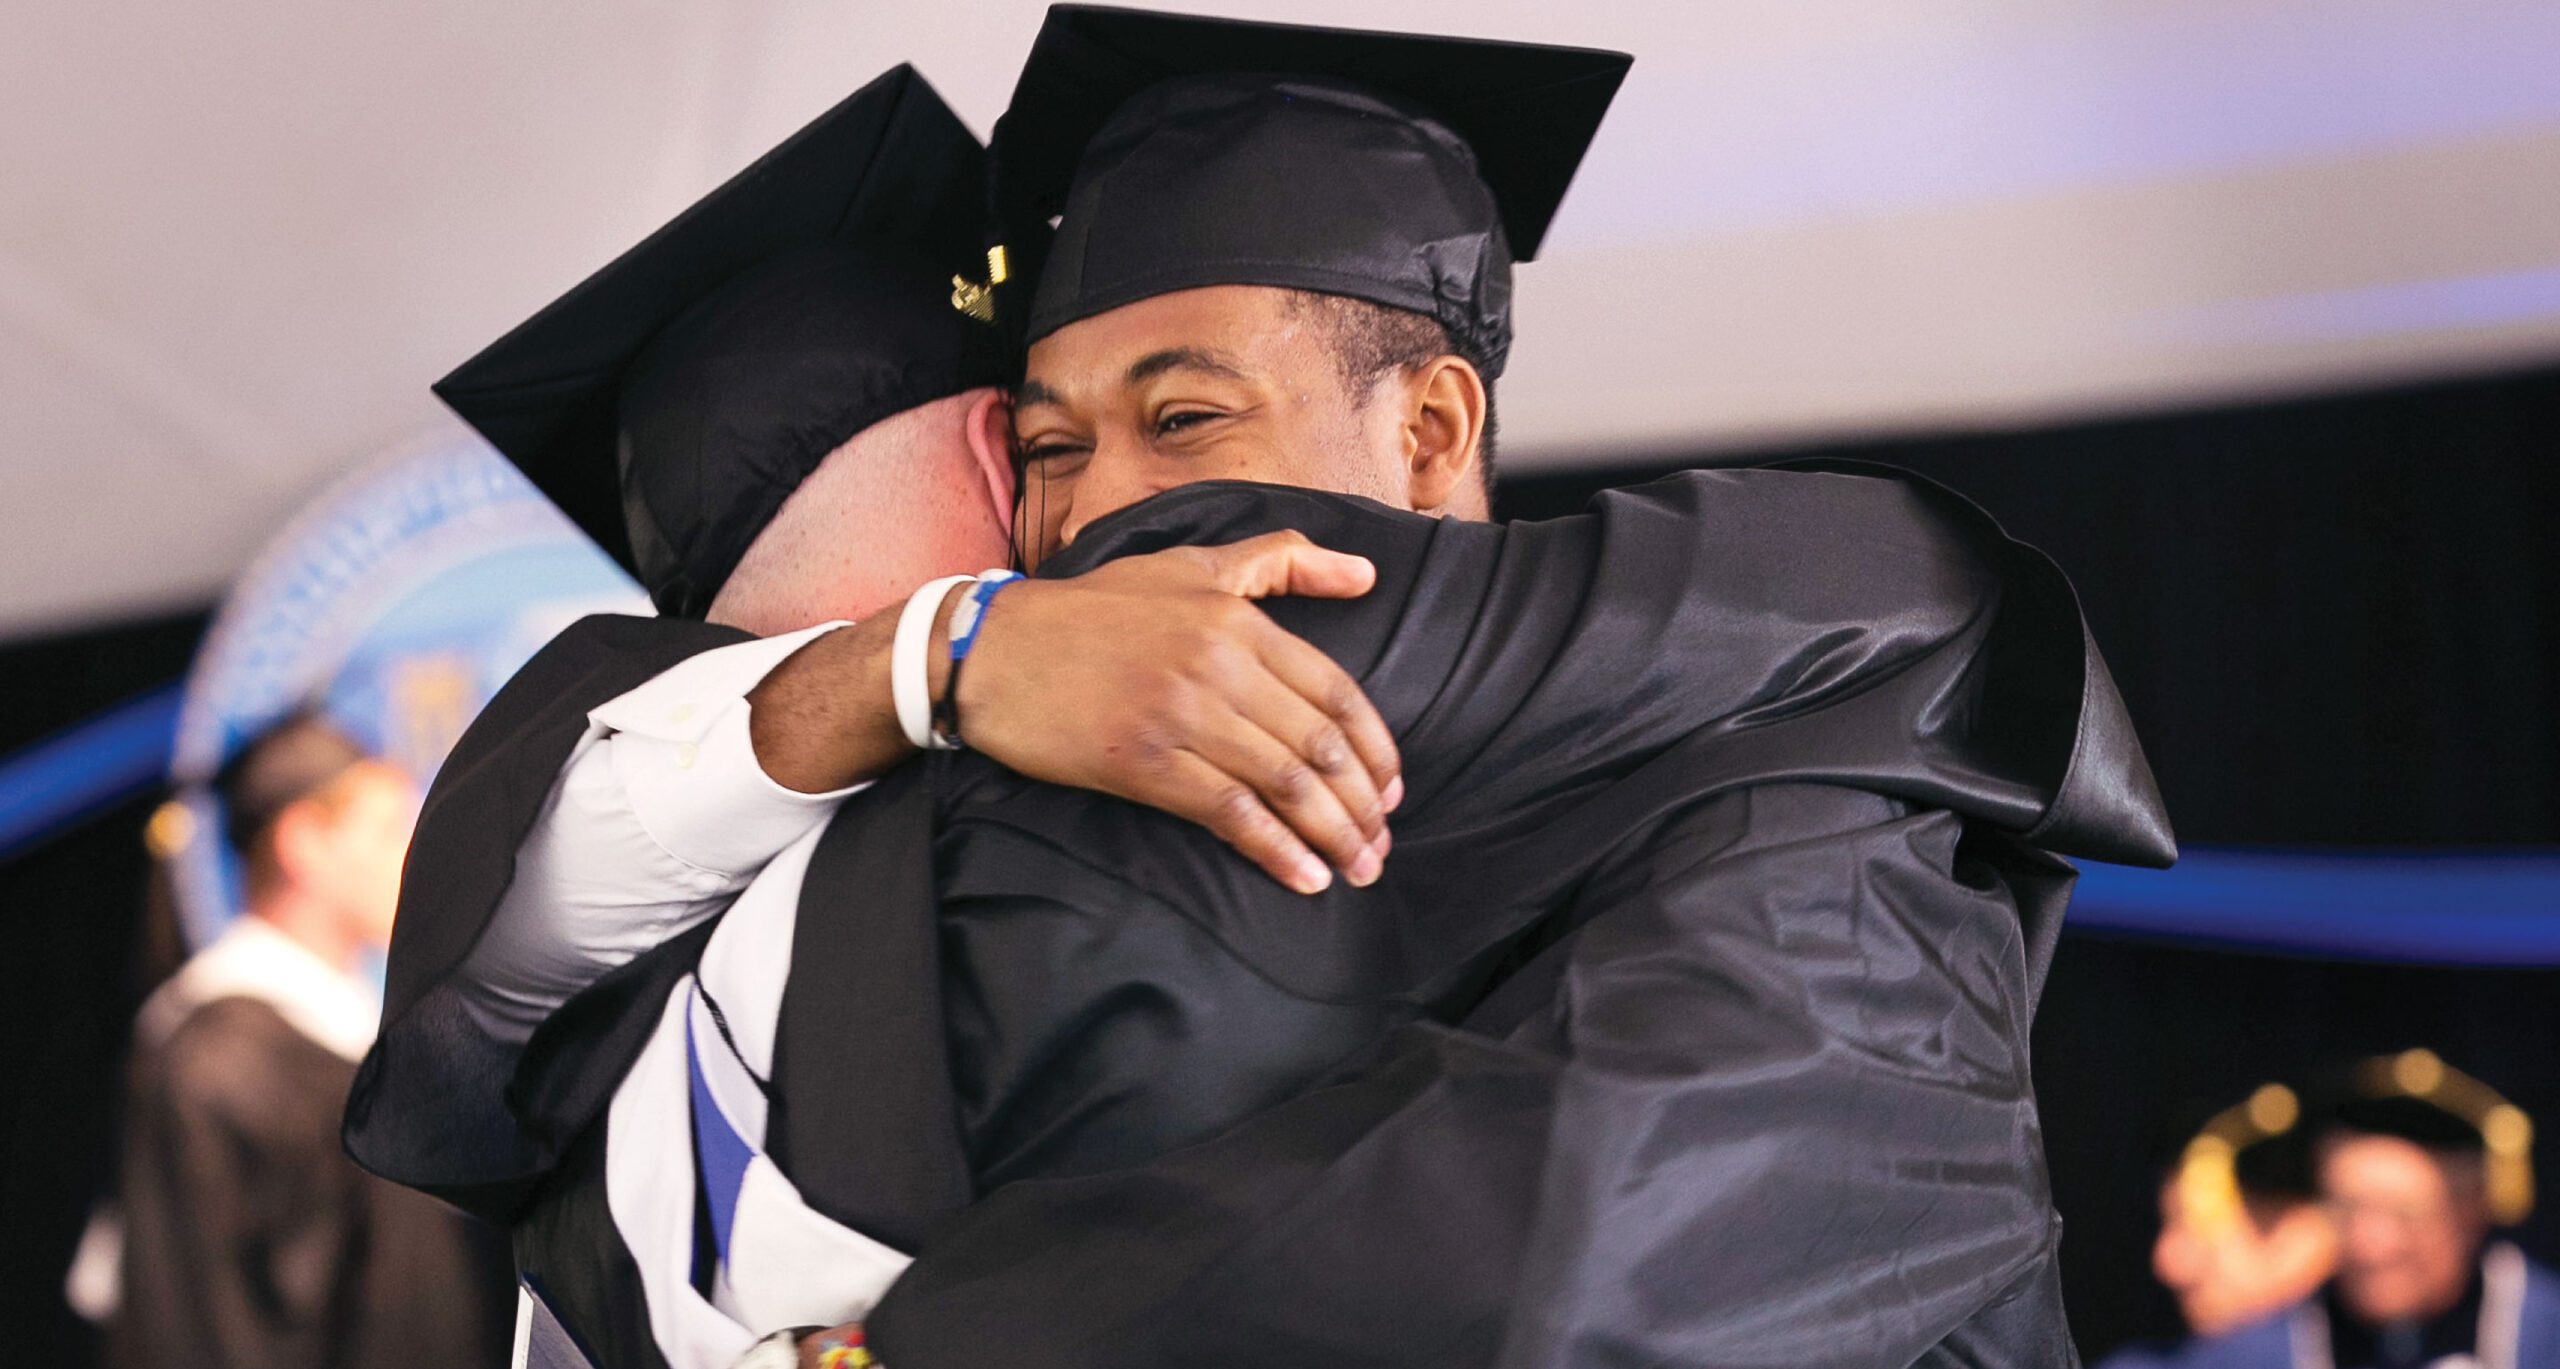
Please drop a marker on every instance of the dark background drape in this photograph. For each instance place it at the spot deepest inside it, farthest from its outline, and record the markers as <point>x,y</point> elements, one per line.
<point>2336,621</point>
<point>76,956</point>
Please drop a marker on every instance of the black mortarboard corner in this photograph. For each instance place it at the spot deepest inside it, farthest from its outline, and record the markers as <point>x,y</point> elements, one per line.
<point>1401,169</point>
<point>673,400</point>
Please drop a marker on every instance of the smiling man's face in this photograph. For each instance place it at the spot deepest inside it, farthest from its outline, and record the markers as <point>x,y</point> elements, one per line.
<point>1229,382</point>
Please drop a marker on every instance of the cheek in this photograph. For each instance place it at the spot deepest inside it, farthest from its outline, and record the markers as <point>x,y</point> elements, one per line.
<point>1040,515</point>
<point>1317,446</point>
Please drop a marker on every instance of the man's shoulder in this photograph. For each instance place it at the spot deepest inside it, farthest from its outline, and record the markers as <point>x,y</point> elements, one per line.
<point>236,1060</point>
<point>2541,1311</point>
<point>2266,1345</point>
<point>578,646</point>
<point>594,659</point>
<point>1799,509</point>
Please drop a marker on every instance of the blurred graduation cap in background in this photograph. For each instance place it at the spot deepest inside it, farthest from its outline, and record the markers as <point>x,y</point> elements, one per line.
<point>1178,152</point>
<point>673,400</point>
<point>2416,1097</point>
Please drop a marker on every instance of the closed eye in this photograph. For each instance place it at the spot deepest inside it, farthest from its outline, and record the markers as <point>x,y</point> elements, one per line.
<point>1183,420</point>
<point>1049,453</point>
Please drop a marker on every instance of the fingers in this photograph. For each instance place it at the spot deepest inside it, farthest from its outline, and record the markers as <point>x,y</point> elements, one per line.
<point>1305,774</point>
<point>1287,563</point>
<point>1203,793</point>
<point>1327,688</point>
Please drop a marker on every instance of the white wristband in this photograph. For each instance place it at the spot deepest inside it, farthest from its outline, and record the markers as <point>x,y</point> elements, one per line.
<point>909,682</point>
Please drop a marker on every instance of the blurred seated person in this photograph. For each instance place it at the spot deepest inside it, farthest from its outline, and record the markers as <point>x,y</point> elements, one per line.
<point>2417,1164</point>
<point>249,1238</point>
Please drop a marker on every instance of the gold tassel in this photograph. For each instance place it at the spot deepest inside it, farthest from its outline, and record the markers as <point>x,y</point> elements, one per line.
<point>977,300</point>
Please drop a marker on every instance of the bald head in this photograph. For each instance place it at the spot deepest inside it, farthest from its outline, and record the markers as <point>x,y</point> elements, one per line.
<point>924,493</point>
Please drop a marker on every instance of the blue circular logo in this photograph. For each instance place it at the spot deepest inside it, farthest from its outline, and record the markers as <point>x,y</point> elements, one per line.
<point>394,605</point>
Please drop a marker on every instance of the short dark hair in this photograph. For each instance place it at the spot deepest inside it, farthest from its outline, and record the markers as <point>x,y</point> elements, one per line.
<point>1370,341</point>
<point>294,760</point>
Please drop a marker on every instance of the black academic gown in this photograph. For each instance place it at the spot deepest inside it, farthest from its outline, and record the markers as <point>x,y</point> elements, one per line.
<point>251,1243</point>
<point>1688,1026</point>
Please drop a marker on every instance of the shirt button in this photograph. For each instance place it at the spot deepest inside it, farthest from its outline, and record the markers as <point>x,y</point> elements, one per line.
<point>685,756</point>
<point>683,713</point>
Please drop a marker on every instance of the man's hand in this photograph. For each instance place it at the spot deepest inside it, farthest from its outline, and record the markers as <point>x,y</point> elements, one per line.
<point>1153,678</point>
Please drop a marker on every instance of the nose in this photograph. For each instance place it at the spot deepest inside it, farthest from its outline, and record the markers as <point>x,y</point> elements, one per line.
<point>2368,1240</point>
<point>2174,1260</point>
<point>1113,478</point>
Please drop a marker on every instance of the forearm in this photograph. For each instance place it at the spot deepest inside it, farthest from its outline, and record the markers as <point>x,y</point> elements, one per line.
<point>826,718</point>
<point>660,817</point>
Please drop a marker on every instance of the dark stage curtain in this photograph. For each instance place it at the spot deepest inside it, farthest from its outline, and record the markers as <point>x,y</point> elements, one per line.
<point>2337,623</point>
<point>77,959</point>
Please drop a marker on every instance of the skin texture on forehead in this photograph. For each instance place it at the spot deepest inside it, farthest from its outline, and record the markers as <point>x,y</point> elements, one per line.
<point>1227,383</point>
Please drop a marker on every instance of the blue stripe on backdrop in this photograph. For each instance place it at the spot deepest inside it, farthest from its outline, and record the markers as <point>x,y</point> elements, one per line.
<point>2435,908</point>
<point>86,767</point>
<point>2419,907</point>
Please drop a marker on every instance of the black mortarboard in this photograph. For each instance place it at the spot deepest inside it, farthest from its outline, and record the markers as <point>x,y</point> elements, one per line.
<point>1402,169</point>
<point>674,399</point>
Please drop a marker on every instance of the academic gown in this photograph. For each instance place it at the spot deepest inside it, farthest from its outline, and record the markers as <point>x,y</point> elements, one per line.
<point>1688,1025</point>
<point>248,1240</point>
<point>2510,1319</point>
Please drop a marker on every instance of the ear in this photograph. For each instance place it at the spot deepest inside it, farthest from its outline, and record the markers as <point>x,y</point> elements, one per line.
<point>1444,438</point>
<point>988,426</point>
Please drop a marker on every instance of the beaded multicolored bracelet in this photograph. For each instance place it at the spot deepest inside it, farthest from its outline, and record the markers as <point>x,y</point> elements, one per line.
<point>845,1350</point>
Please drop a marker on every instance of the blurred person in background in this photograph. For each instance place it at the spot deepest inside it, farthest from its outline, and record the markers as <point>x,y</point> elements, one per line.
<point>2243,1235</point>
<point>249,1239</point>
<point>2417,1164</point>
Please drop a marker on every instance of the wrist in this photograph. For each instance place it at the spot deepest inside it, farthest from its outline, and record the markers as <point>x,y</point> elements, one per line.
<point>922,641</point>
<point>970,691</point>
<point>781,1350</point>
<point>822,720</point>
<point>963,626</point>
<point>845,1347</point>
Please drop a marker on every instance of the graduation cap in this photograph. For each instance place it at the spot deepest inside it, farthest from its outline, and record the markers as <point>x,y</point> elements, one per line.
<point>2415,1096</point>
<point>673,400</point>
<point>1402,169</point>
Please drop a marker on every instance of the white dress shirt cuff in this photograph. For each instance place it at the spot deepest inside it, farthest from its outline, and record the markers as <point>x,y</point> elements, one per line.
<point>685,759</point>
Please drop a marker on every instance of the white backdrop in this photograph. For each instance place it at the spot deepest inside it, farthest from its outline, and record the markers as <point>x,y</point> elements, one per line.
<point>237,240</point>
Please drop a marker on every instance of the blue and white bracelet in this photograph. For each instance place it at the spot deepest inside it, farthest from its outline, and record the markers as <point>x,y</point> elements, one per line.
<point>965,623</point>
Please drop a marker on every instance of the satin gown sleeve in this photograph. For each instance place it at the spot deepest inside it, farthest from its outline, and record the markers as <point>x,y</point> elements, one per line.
<point>662,816</point>
<point>429,1107</point>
